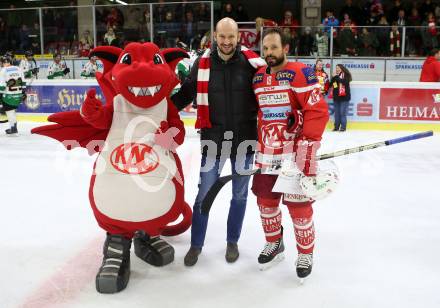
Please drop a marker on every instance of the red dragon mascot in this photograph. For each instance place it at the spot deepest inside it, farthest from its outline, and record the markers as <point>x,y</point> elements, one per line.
<point>136,189</point>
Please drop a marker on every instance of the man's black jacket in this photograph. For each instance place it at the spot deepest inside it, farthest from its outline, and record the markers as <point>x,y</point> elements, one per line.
<point>232,103</point>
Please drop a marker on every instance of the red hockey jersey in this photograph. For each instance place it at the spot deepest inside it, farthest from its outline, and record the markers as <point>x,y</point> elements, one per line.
<point>295,87</point>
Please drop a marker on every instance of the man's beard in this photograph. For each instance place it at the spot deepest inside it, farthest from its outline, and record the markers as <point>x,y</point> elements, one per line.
<point>226,53</point>
<point>278,60</point>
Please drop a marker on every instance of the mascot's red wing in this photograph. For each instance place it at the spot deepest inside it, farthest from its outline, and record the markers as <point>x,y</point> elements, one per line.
<point>71,129</point>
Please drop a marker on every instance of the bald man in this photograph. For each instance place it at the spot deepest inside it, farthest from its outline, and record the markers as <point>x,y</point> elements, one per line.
<point>221,82</point>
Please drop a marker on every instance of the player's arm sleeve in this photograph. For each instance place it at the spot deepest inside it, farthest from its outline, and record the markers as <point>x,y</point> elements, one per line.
<point>188,90</point>
<point>307,92</point>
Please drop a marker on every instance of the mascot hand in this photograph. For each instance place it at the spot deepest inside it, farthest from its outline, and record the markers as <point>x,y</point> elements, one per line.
<point>164,136</point>
<point>91,106</point>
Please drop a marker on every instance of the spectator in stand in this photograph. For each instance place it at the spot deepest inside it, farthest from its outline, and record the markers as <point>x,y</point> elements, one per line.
<point>401,18</point>
<point>241,13</point>
<point>132,23</point>
<point>369,43</point>
<point>85,44</point>
<point>290,22</point>
<point>306,43</point>
<point>322,76</point>
<point>431,67</point>
<point>25,41</point>
<point>144,27</point>
<point>429,33</point>
<point>425,8</point>
<point>181,9</point>
<point>395,41</point>
<point>383,36</point>
<point>322,40</point>
<point>203,12</point>
<point>35,38</point>
<point>341,96</point>
<point>330,21</point>
<point>353,11</point>
<point>110,38</point>
<point>228,11</point>
<point>171,30</point>
<point>115,19</point>
<point>347,19</point>
<point>189,29</point>
<point>293,42</point>
<point>393,13</point>
<point>160,11</point>
<point>346,40</point>
<point>414,34</point>
<point>377,7</point>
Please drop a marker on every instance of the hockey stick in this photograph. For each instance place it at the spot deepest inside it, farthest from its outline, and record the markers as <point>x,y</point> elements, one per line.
<point>221,181</point>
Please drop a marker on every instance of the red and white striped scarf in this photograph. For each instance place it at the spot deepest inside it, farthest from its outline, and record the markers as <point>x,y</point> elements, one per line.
<point>203,120</point>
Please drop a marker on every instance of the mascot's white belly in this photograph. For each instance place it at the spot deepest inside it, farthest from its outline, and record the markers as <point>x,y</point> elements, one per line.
<point>133,176</point>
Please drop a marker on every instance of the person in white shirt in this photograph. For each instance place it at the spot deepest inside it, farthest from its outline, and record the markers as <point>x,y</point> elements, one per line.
<point>29,66</point>
<point>12,87</point>
<point>90,68</point>
<point>58,69</point>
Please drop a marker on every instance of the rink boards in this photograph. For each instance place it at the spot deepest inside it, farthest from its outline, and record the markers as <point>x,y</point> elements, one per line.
<point>373,105</point>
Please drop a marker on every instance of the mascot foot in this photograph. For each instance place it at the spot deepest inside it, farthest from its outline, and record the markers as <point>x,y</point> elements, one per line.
<point>114,273</point>
<point>153,250</point>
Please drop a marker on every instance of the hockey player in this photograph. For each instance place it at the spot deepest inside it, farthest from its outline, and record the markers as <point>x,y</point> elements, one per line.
<point>90,68</point>
<point>29,66</point>
<point>291,119</point>
<point>12,87</point>
<point>57,70</point>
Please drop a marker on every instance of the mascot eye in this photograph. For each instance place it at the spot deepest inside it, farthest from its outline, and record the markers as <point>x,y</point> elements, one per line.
<point>157,59</point>
<point>126,59</point>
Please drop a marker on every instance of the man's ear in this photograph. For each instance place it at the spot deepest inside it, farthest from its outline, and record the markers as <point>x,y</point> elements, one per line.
<point>214,37</point>
<point>286,49</point>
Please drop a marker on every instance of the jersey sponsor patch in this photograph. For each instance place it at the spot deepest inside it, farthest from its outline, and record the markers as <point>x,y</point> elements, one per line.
<point>288,75</point>
<point>269,80</point>
<point>315,96</point>
<point>258,78</point>
<point>273,98</point>
<point>275,135</point>
<point>275,113</point>
<point>309,75</point>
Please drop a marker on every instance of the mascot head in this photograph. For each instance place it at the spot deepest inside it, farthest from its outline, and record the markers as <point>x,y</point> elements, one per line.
<point>141,73</point>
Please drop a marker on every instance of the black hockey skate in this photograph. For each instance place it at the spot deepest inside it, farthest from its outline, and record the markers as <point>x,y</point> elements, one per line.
<point>304,265</point>
<point>12,131</point>
<point>114,273</point>
<point>272,254</point>
<point>153,250</point>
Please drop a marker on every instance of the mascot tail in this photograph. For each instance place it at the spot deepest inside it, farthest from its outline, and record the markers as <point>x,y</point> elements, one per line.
<point>182,226</point>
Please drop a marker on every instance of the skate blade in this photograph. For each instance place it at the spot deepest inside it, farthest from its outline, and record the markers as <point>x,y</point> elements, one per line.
<point>301,281</point>
<point>278,258</point>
